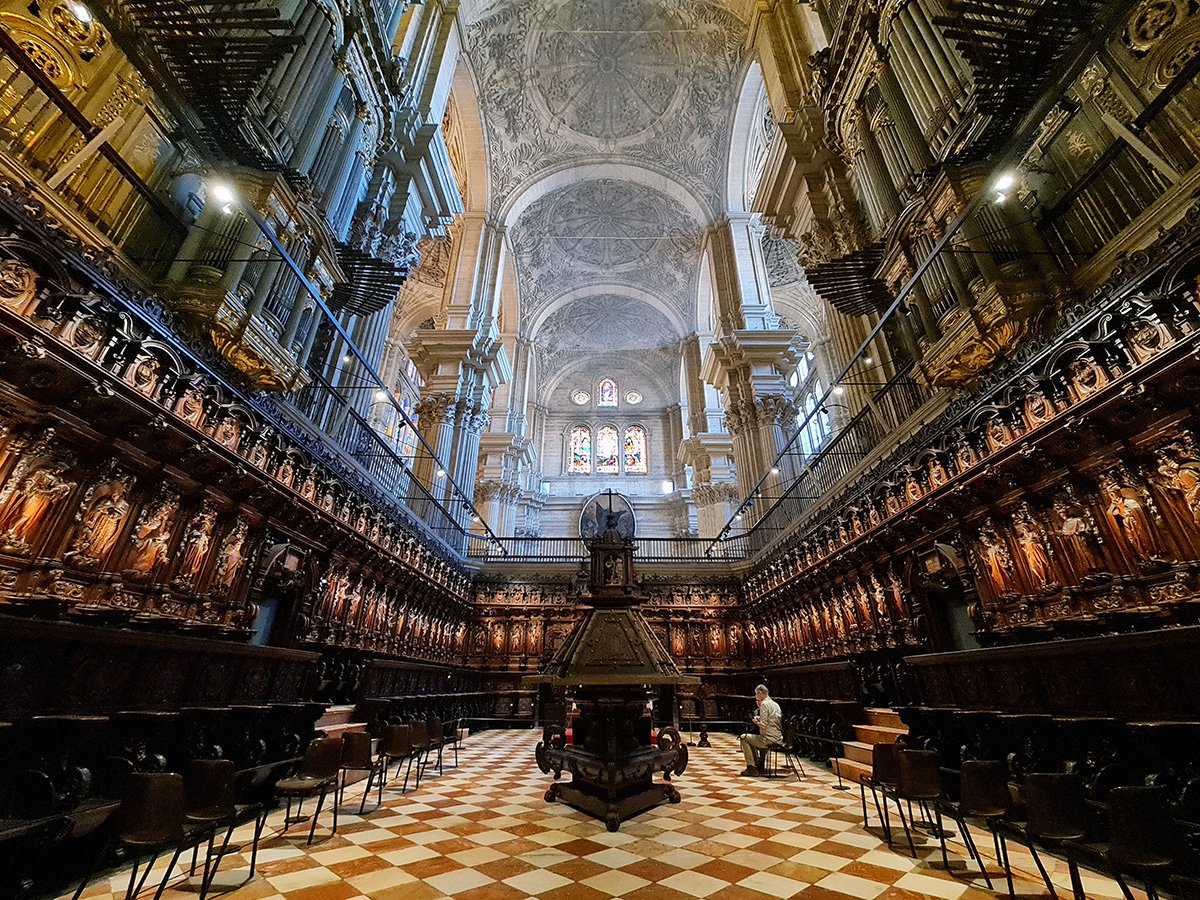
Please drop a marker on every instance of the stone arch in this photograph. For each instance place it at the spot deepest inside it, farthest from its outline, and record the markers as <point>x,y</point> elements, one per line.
<point>614,288</point>
<point>741,140</point>
<point>465,94</point>
<point>521,200</point>
<point>630,364</point>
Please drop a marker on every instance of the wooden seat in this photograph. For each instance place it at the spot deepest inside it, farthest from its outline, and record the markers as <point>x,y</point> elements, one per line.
<point>152,820</point>
<point>397,745</point>
<point>211,802</point>
<point>318,773</point>
<point>358,755</point>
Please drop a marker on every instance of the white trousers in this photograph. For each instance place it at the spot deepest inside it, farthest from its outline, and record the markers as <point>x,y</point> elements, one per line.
<point>753,748</point>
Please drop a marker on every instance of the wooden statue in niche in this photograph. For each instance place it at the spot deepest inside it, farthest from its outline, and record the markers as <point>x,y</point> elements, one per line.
<point>1031,541</point>
<point>1128,508</point>
<point>1178,475</point>
<point>152,535</point>
<point>38,490</point>
<point>196,544</point>
<point>938,475</point>
<point>145,375</point>
<point>1077,534</point>
<point>996,560</point>
<point>105,509</point>
<point>231,557</point>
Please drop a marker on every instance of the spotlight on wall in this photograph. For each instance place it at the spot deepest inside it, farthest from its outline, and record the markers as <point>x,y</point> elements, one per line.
<point>839,390</point>
<point>223,195</point>
<point>1003,186</point>
<point>381,395</point>
<point>441,473</point>
<point>868,360</point>
<point>774,470</point>
<point>80,12</point>
<point>668,486</point>
<point>738,517</point>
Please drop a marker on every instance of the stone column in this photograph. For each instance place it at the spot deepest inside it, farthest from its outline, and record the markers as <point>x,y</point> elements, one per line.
<point>739,274</point>
<point>747,368</point>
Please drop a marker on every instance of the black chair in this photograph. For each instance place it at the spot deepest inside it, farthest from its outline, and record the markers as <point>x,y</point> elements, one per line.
<point>211,803</point>
<point>358,756</point>
<point>921,782</point>
<point>421,750</point>
<point>983,789</point>
<point>985,794</point>
<point>884,777</point>
<point>1141,839</point>
<point>395,745</point>
<point>791,760</point>
<point>151,821</point>
<point>318,773</point>
<point>450,732</point>
<point>436,739</point>
<point>1057,813</point>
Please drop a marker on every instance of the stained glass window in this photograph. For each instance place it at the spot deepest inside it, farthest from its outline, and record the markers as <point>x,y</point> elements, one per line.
<point>607,450</point>
<point>635,450</point>
<point>606,393</point>
<point>579,459</point>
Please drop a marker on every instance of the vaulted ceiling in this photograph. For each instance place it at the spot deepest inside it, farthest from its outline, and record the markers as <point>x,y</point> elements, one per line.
<point>607,125</point>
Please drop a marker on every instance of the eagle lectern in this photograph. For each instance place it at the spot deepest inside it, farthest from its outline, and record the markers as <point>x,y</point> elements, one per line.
<point>609,667</point>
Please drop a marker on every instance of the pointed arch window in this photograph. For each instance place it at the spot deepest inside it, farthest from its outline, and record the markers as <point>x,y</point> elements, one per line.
<point>635,450</point>
<point>579,460</point>
<point>608,461</point>
<point>606,392</point>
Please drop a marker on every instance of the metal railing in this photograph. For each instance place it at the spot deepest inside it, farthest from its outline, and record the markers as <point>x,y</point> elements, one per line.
<point>387,451</point>
<point>657,550</point>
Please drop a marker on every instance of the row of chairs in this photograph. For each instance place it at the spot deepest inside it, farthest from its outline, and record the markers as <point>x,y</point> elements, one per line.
<point>1140,835</point>
<point>329,763</point>
<point>164,812</point>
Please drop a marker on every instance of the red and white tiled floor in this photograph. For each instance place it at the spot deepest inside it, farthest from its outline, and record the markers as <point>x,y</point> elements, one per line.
<point>483,831</point>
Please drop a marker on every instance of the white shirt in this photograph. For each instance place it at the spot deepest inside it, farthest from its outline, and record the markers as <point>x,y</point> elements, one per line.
<point>770,721</point>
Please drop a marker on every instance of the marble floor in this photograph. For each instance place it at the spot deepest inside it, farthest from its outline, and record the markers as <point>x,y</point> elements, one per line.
<point>483,830</point>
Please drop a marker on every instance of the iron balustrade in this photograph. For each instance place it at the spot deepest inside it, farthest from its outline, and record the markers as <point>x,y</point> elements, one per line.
<point>388,459</point>
<point>658,550</point>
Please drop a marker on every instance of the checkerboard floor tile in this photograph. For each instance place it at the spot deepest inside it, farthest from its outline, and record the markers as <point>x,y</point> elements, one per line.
<point>483,832</point>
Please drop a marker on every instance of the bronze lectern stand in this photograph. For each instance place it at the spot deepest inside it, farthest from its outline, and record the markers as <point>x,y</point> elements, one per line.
<point>609,667</point>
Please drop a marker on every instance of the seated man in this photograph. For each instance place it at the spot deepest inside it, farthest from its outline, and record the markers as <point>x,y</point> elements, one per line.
<point>770,731</point>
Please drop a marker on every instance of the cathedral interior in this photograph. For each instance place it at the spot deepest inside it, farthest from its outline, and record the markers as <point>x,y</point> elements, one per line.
<point>339,338</point>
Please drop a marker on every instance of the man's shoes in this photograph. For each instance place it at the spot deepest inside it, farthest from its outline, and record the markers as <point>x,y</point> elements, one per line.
<point>750,772</point>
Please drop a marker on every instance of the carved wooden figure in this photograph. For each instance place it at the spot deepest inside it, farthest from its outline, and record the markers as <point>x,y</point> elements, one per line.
<point>102,520</point>
<point>38,491</point>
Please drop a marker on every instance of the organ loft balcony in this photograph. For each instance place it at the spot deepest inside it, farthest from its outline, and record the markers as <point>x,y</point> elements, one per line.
<point>232,287</point>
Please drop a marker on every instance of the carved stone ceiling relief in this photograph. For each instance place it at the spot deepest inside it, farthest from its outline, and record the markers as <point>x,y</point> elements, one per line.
<point>599,325</point>
<point>648,82</point>
<point>604,232</point>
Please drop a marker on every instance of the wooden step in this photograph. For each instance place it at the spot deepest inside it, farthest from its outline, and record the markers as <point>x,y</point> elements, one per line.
<point>336,731</point>
<point>850,769</point>
<point>878,734</point>
<point>888,718</point>
<point>335,715</point>
<point>858,751</point>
